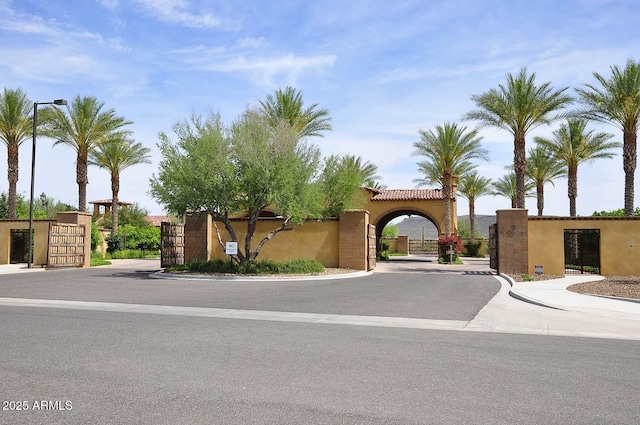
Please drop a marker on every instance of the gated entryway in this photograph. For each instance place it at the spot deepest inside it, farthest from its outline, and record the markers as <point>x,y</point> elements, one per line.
<point>171,244</point>
<point>582,251</point>
<point>66,246</point>
<point>19,246</point>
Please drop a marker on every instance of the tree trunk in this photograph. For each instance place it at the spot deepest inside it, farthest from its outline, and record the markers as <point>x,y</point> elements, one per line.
<point>115,188</point>
<point>82,180</point>
<point>472,220</point>
<point>12,167</point>
<point>572,189</point>
<point>446,193</point>
<point>540,193</point>
<point>629,159</point>
<point>520,168</point>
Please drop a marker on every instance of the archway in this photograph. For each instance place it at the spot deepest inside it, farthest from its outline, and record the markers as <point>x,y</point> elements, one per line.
<point>393,214</point>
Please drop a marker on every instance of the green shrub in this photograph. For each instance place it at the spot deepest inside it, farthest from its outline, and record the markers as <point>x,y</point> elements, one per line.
<point>297,266</point>
<point>136,236</point>
<point>114,243</point>
<point>133,253</point>
<point>473,249</point>
<point>96,240</point>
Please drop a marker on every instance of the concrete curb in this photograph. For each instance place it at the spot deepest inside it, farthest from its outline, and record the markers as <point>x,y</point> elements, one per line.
<point>170,276</point>
<point>524,298</point>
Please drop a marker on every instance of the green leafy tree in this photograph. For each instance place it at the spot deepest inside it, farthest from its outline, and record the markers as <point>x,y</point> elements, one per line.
<point>390,231</point>
<point>115,154</point>
<point>446,149</point>
<point>42,207</point>
<point>342,178</point>
<point>615,213</point>
<point>83,127</point>
<point>133,215</point>
<point>616,100</point>
<point>518,107</point>
<point>542,168</point>
<point>239,171</point>
<point>572,145</point>
<point>288,105</point>
<point>506,186</point>
<point>473,186</point>
<point>16,126</point>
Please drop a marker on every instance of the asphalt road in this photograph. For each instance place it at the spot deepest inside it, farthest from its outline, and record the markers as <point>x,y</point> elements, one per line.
<point>143,368</point>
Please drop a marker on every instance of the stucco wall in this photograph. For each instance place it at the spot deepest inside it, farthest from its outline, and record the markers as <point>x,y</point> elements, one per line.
<point>41,235</point>
<point>314,240</point>
<point>619,243</point>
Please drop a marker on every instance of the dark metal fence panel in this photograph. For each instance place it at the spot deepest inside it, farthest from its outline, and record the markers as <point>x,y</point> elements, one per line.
<point>493,247</point>
<point>582,251</point>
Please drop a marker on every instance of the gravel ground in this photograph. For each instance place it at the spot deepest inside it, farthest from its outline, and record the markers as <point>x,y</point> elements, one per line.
<point>610,286</point>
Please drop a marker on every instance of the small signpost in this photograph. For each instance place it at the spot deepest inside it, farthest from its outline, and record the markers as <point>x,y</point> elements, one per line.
<point>231,248</point>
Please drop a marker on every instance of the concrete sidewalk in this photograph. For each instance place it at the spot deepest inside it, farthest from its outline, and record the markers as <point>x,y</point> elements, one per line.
<point>19,268</point>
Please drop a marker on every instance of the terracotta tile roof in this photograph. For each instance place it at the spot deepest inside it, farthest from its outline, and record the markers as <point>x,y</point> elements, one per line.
<point>155,220</point>
<point>407,195</point>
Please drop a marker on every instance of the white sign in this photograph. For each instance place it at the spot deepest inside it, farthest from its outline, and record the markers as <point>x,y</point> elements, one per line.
<point>231,248</point>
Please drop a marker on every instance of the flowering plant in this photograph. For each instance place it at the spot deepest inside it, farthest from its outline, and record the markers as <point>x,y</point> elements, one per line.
<point>445,245</point>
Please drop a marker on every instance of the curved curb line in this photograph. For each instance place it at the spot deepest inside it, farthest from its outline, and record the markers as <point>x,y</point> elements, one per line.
<point>525,299</point>
<point>169,276</point>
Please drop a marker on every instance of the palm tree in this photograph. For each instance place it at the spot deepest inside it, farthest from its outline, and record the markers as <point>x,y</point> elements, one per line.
<point>16,126</point>
<point>447,149</point>
<point>288,105</point>
<point>115,154</point>
<point>573,145</point>
<point>472,186</point>
<point>506,186</point>
<point>542,168</point>
<point>85,126</point>
<point>617,101</point>
<point>518,107</point>
<point>367,171</point>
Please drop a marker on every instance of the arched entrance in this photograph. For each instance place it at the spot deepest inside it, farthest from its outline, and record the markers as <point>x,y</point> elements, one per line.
<point>385,205</point>
<point>391,215</point>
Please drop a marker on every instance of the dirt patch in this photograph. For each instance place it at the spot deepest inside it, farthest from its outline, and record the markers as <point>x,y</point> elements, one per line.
<point>610,286</point>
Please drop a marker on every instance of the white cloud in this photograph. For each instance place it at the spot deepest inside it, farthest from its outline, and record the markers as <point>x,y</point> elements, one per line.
<point>178,12</point>
<point>109,4</point>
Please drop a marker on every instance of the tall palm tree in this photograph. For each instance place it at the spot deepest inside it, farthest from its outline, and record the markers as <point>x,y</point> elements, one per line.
<point>518,107</point>
<point>572,145</point>
<point>287,104</point>
<point>367,171</point>
<point>115,154</point>
<point>542,168</point>
<point>506,186</point>
<point>85,126</point>
<point>16,126</point>
<point>449,147</point>
<point>472,186</point>
<point>617,101</point>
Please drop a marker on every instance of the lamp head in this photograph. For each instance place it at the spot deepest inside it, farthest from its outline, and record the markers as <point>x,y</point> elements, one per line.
<point>60,102</point>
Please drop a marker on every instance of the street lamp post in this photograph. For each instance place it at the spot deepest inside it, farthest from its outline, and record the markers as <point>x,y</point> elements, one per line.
<point>33,172</point>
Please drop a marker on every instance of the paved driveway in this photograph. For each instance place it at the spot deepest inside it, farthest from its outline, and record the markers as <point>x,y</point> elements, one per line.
<point>398,289</point>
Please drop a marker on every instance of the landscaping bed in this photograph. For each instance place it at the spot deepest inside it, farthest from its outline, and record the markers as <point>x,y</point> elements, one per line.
<point>610,286</point>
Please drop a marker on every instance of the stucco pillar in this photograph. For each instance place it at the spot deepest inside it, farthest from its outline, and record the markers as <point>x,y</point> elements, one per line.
<point>353,241</point>
<point>513,241</point>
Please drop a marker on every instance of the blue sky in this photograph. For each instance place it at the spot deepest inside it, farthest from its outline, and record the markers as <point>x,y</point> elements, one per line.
<point>383,69</point>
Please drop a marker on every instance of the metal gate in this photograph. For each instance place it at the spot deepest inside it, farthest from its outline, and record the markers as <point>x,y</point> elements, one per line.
<point>371,256</point>
<point>171,244</point>
<point>582,251</point>
<point>493,247</point>
<point>66,247</point>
